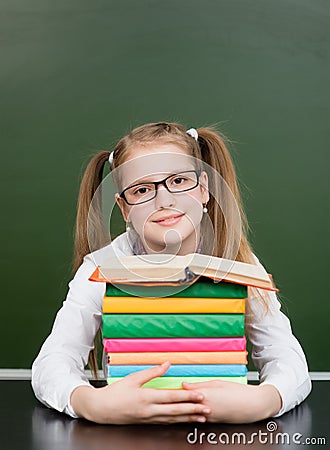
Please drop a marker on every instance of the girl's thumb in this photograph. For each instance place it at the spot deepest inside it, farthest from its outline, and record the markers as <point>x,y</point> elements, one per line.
<point>139,378</point>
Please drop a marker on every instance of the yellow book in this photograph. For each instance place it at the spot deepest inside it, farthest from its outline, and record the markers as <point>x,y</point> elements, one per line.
<point>173,305</point>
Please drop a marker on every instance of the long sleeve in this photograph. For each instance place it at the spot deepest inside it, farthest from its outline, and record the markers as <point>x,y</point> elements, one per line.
<point>276,353</point>
<point>59,367</point>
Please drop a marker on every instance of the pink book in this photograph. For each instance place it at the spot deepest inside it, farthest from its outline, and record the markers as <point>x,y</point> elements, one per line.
<point>175,344</point>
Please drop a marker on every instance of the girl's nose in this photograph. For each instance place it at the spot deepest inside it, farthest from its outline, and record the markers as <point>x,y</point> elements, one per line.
<point>164,198</point>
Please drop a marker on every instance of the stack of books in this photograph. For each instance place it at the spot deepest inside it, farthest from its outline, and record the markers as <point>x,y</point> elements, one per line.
<point>188,310</point>
<point>199,330</point>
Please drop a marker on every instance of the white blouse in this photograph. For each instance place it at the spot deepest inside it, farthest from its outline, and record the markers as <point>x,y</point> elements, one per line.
<point>59,367</point>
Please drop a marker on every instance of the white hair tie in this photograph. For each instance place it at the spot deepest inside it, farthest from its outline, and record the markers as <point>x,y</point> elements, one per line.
<point>111,158</point>
<point>193,133</point>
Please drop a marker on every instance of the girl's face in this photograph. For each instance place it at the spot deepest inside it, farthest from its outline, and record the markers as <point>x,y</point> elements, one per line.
<point>170,222</point>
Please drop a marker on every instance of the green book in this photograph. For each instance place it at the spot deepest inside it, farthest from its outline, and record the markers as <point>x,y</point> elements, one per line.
<point>172,325</point>
<point>204,287</point>
<point>176,382</point>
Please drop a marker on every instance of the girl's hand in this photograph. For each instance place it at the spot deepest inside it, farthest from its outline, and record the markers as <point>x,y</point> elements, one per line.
<point>127,402</point>
<point>232,402</point>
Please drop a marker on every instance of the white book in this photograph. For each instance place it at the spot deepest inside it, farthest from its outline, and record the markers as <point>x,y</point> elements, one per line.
<point>166,268</point>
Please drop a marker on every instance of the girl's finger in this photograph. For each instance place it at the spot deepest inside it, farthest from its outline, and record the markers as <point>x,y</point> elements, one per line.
<point>137,379</point>
<point>176,419</point>
<point>179,409</point>
<point>173,395</point>
<point>202,384</point>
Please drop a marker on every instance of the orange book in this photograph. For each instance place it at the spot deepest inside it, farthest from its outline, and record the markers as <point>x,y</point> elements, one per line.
<point>178,358</point>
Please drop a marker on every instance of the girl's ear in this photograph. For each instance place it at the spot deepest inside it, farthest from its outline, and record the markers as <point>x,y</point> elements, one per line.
<point>204,184</point>
<point>122,205</point>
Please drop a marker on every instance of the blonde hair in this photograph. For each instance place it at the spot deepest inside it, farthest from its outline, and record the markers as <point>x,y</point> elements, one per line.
<point>210,149</point>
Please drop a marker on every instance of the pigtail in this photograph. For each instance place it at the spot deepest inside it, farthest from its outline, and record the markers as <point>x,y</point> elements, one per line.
<point>215,153</point>
<point>89,228</point>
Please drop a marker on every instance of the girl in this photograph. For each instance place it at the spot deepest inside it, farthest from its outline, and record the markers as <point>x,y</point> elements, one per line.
<point>168,206</point>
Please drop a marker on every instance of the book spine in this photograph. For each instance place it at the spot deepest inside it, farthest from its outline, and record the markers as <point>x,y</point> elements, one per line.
<point>174,344</point>
<point>178,358</point>
<point>172,305</point>
<point>198,289</point>
<point>176,382</point>
<point>186,370</point>
<point>172,325</point>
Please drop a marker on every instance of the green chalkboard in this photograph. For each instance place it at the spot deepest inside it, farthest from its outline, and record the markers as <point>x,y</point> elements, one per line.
<point>77,75</point>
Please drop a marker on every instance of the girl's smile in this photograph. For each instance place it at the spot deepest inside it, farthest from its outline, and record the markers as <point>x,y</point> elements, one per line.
<point>167,221</point>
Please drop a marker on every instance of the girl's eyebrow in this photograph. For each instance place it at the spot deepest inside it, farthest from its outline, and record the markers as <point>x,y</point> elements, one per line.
<point>165,175</point>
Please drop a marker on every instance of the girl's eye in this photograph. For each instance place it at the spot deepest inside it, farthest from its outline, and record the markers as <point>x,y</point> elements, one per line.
<point>142,190</point>
<point>179,180</point>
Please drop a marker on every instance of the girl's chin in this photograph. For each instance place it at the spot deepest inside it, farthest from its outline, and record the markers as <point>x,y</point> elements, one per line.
<point>172,245</point>
<point>161,246</point>
<point>172,242</point>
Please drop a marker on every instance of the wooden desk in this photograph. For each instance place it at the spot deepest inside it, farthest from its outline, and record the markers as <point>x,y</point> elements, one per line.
<point>26,424</point>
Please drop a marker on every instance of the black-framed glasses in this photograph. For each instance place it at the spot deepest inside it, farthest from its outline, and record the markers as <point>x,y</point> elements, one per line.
<point>175,183</point>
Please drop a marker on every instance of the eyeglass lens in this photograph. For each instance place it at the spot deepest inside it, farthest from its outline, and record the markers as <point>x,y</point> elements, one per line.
<point>179,182</point>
